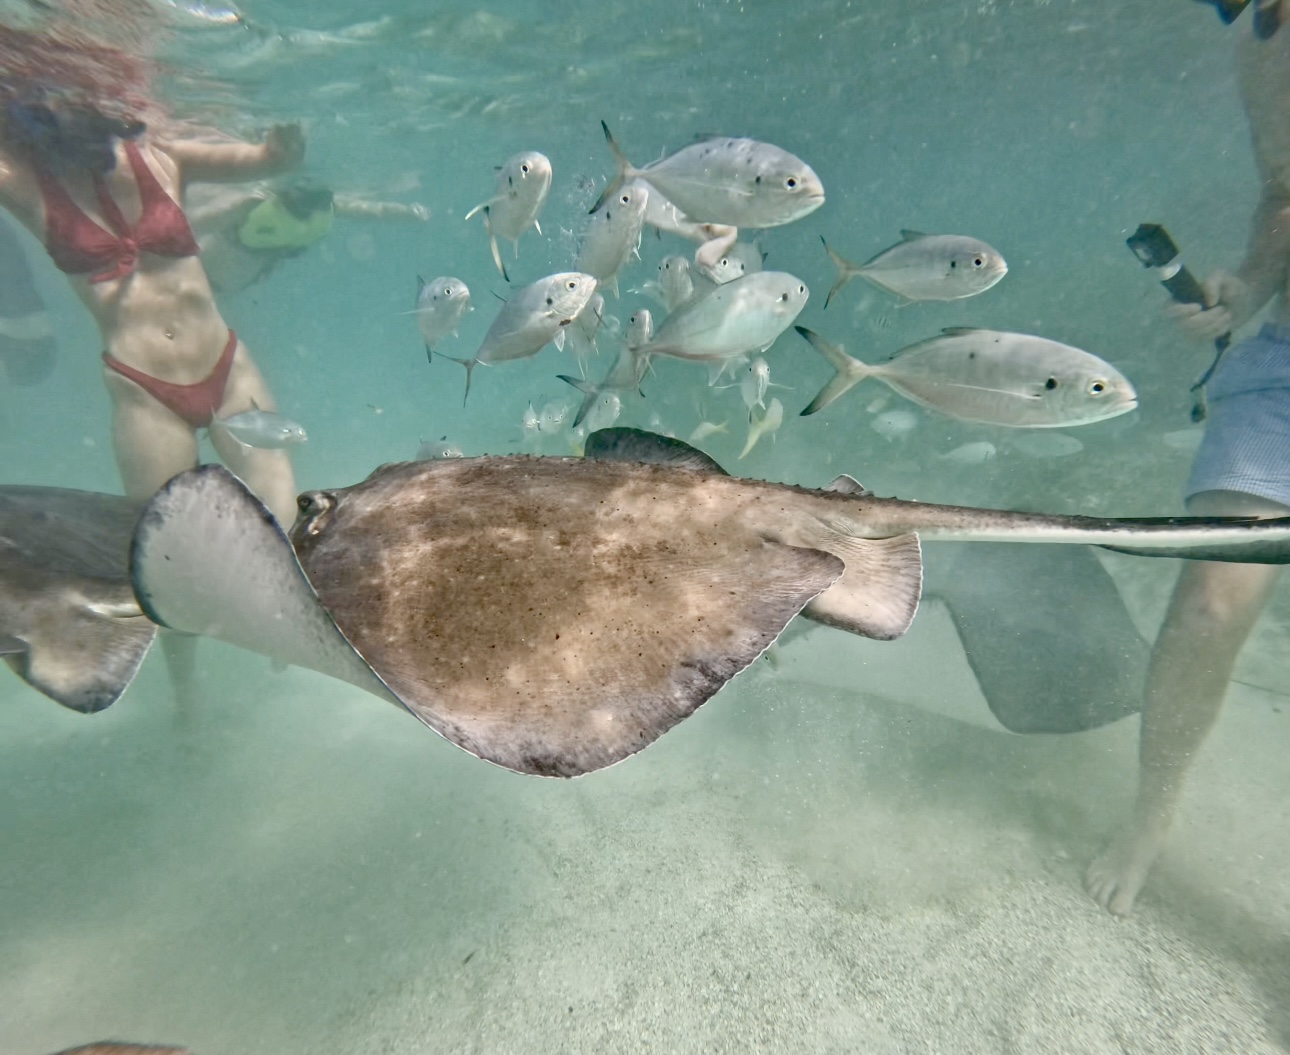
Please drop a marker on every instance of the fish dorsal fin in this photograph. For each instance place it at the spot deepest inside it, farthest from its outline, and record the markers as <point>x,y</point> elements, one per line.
<point>909,235</point>
<point>849,485</point>
<point>637,445</point>
<point>421,286</point>
<point>961,331</point>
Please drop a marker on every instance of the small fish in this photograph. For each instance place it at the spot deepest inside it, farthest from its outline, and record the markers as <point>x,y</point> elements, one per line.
<point>266,430</point>
<point>603,413</point>
<point>739,182</point>
<point>989,376</point>
<point>613,235</point>
<point>552,418</point>
<point>581,333</point>
<point>704,429</point>
<point>640,329</point>
<point>534,317</point>
<point>676,286</point>
<point>523,184</point>
<point>766,425</point>
<point>1046,444</point>
<point>754,383</point>
<point>440,448</point>
<point>529,422</point>
<point>440,305</point>
<point>892,425</point>
<point>977,453</point>
<point>926,267</point>
<point>742,258</point>
<point>739,318</point>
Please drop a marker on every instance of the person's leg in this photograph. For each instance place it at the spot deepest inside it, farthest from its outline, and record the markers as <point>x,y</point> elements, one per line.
<point>1213,609</point>
<point>267,473</point>
<point>151,446</point>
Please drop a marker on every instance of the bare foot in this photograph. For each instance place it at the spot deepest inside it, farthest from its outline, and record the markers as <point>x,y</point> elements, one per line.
<point>1117,874</point>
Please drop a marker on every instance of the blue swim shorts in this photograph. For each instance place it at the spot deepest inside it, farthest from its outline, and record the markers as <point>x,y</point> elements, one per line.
<point>1246,446</point>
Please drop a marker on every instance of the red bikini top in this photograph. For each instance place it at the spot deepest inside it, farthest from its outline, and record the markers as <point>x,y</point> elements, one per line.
<point>78,245</point>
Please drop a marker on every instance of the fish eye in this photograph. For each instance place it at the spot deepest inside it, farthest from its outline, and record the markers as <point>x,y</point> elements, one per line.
<point>801,289</point>
<point>978,261</point>
<point>447,291</point>
<point>1050,384</point>
<point>791,182</point>
<point>1096,388</point>
<point>626,199</point>
<point>524,169</point>
<point>571,284</point>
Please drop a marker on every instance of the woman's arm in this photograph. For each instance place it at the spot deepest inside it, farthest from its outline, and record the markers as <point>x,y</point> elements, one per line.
<point>283,149</point>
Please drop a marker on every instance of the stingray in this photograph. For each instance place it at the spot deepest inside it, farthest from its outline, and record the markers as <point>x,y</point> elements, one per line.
<point>69,622</point>
<point>556,615</point>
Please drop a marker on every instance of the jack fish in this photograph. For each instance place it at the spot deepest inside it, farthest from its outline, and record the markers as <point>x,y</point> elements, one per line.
<point>926,267</point>
<point>613,234</point>
<point>739,182</point>
<point>441,303</point>
<point>555,615</point>
<point>991,377</point>
<point>734,319</point>
<point>534,317</point>
<point>522,187</point>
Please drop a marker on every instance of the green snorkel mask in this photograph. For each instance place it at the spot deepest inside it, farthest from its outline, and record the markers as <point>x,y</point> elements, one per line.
<point>294,218</point>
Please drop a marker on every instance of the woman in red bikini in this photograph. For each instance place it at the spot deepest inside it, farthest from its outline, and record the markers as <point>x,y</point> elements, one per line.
<point>103,195</point>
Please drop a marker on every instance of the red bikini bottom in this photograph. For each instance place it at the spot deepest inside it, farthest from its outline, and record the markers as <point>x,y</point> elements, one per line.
<point>195,403</point>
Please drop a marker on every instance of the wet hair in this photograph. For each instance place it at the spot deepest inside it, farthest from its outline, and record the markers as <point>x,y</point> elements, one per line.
<point>303,197</point>
<point>67,137</point>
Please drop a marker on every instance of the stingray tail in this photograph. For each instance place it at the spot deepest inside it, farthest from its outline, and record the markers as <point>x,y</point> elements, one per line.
<point>624,169</point>
<point>846,271</point>
<point>850,371</point>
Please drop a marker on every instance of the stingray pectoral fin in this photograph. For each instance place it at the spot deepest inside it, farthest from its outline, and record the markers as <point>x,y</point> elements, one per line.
<point>209,558</point>
<point>878,593</point>
<point>1045,631</point>
<point>76,649</point>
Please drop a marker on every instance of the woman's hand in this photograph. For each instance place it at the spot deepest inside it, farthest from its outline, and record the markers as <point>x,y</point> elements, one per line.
<point>284,146</point>
<point>1226,306</point>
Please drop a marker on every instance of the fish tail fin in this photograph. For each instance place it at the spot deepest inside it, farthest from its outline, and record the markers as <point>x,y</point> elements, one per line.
<point>846,271</point>
<point>850,371</point>
<point>590,393</point>
<point>878,592</point>
<point>492,244</point>
<point>470,365</point>
<point>624,168</point>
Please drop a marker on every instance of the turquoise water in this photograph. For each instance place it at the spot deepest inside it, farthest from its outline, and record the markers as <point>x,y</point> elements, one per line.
<point>821,859</point>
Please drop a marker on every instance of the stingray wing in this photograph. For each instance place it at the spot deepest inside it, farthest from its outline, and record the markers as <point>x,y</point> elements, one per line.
<point>69,624</point>
<point>209,558</point>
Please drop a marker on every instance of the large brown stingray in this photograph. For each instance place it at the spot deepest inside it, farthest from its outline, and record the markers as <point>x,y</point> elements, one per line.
<point>554,615</point>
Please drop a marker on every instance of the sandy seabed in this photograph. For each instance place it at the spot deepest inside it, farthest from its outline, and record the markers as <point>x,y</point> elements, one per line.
<point>798,868</point>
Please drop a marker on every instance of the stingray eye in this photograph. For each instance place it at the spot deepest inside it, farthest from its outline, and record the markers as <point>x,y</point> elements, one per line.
<point>791,183</point>
<point>978,261</point>
<point>1096,388</point>
<point>1050,384</point>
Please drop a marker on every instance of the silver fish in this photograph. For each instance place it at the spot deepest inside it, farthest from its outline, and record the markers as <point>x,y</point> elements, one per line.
<point>613,235</point>
<point>676,285</point>
<point>989,376</point>
<point>742,258</point>
<point>766,425</point>
<point>704,429</point>
<point>976,453</point>
<point>441,303</point>
<point>926,267</point>
<point>534,317</point>
<point>625,375</point>
<point>605,598</point>
<point>266,430</point>
<point>740,182</point>
<point>754,384</point>
<point>741,317</point>
<point>666,217</point>
<point>441,448</point>
<point>581,334</point>
<point>523,184</point>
